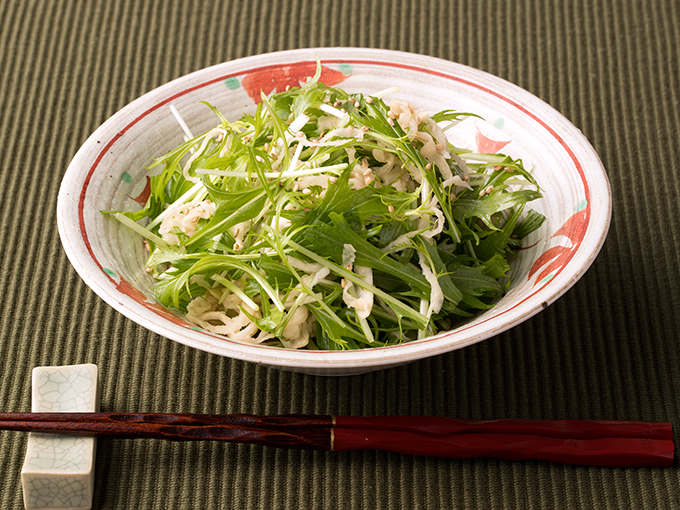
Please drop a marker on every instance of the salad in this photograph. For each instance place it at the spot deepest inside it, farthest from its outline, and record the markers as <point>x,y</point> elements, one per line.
<point>330,220</point>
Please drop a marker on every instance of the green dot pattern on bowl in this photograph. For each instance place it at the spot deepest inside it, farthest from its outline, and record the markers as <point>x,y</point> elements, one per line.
<point>346,69</point>
<point>232,83</point>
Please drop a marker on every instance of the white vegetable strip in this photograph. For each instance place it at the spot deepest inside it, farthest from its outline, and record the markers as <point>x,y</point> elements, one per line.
<point>295,126</point>
<point>296,158</point>
<point>362,300</point>
<point>305,266</point>
<point>436,294</point>
<point>334,169</point>
<point>331,110</point>
<point>348,254</point>
<point>187,132</point>
<point>386,92</point>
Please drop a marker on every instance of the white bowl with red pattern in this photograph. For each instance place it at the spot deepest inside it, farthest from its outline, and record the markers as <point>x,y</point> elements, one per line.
<point>108,173</point>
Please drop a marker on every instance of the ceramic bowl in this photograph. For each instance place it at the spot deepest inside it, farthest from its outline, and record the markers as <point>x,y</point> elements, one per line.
<point>109,173</point>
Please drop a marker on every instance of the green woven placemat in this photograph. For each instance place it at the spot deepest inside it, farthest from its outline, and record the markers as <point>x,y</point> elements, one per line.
<point>608,349</point>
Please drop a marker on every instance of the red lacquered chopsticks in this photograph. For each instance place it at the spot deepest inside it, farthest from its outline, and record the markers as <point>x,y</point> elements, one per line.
<point>582,442</point>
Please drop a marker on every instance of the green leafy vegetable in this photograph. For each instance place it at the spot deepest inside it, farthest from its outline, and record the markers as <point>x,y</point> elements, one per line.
<point>329,220</point>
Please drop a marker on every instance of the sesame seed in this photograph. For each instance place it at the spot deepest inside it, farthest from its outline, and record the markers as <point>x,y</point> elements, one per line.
<point>482,193</point>
<point>333,180</point>
<point>287,88</point>
<point>369,100</point>
<point>428,166</point>
<point>237,231</point>
<point>497,168</point>
<point>343,283</point>
<point>343,110</point>
<point>259,158</point>
<point>439,146</point>
<point>367,172</point>
<point>489,189</point>
<point>391,209</point>
<point>274,156</point>
<point>149,269</point>
<point>466,178</point>
<point>296,187</point>
<point>306,191</point>
<point>299,134</point>
<point>390,114</point>
<point>267,147</point>
<point>369,180</point>
<point>364,128</point>
<point>390,121</point>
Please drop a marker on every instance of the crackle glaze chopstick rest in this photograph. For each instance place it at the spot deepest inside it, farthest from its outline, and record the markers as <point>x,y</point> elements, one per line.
<point>58,472</point>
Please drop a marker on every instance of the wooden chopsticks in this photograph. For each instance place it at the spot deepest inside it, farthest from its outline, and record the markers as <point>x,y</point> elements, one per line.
<point>582,442</point>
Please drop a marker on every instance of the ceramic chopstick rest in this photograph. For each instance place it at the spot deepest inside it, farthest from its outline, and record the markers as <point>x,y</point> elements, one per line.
<point>58,471</point>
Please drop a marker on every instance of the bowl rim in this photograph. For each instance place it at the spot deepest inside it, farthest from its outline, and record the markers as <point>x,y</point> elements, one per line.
<point>82,166</point>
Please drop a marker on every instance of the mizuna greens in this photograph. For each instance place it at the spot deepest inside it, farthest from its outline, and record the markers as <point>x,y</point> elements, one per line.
<point>329,220</point>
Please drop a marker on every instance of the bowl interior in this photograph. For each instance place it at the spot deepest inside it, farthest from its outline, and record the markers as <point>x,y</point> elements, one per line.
<point>109,173</point>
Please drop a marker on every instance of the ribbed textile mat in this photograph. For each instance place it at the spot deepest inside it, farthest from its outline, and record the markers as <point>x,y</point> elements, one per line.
<point>608,349</point>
